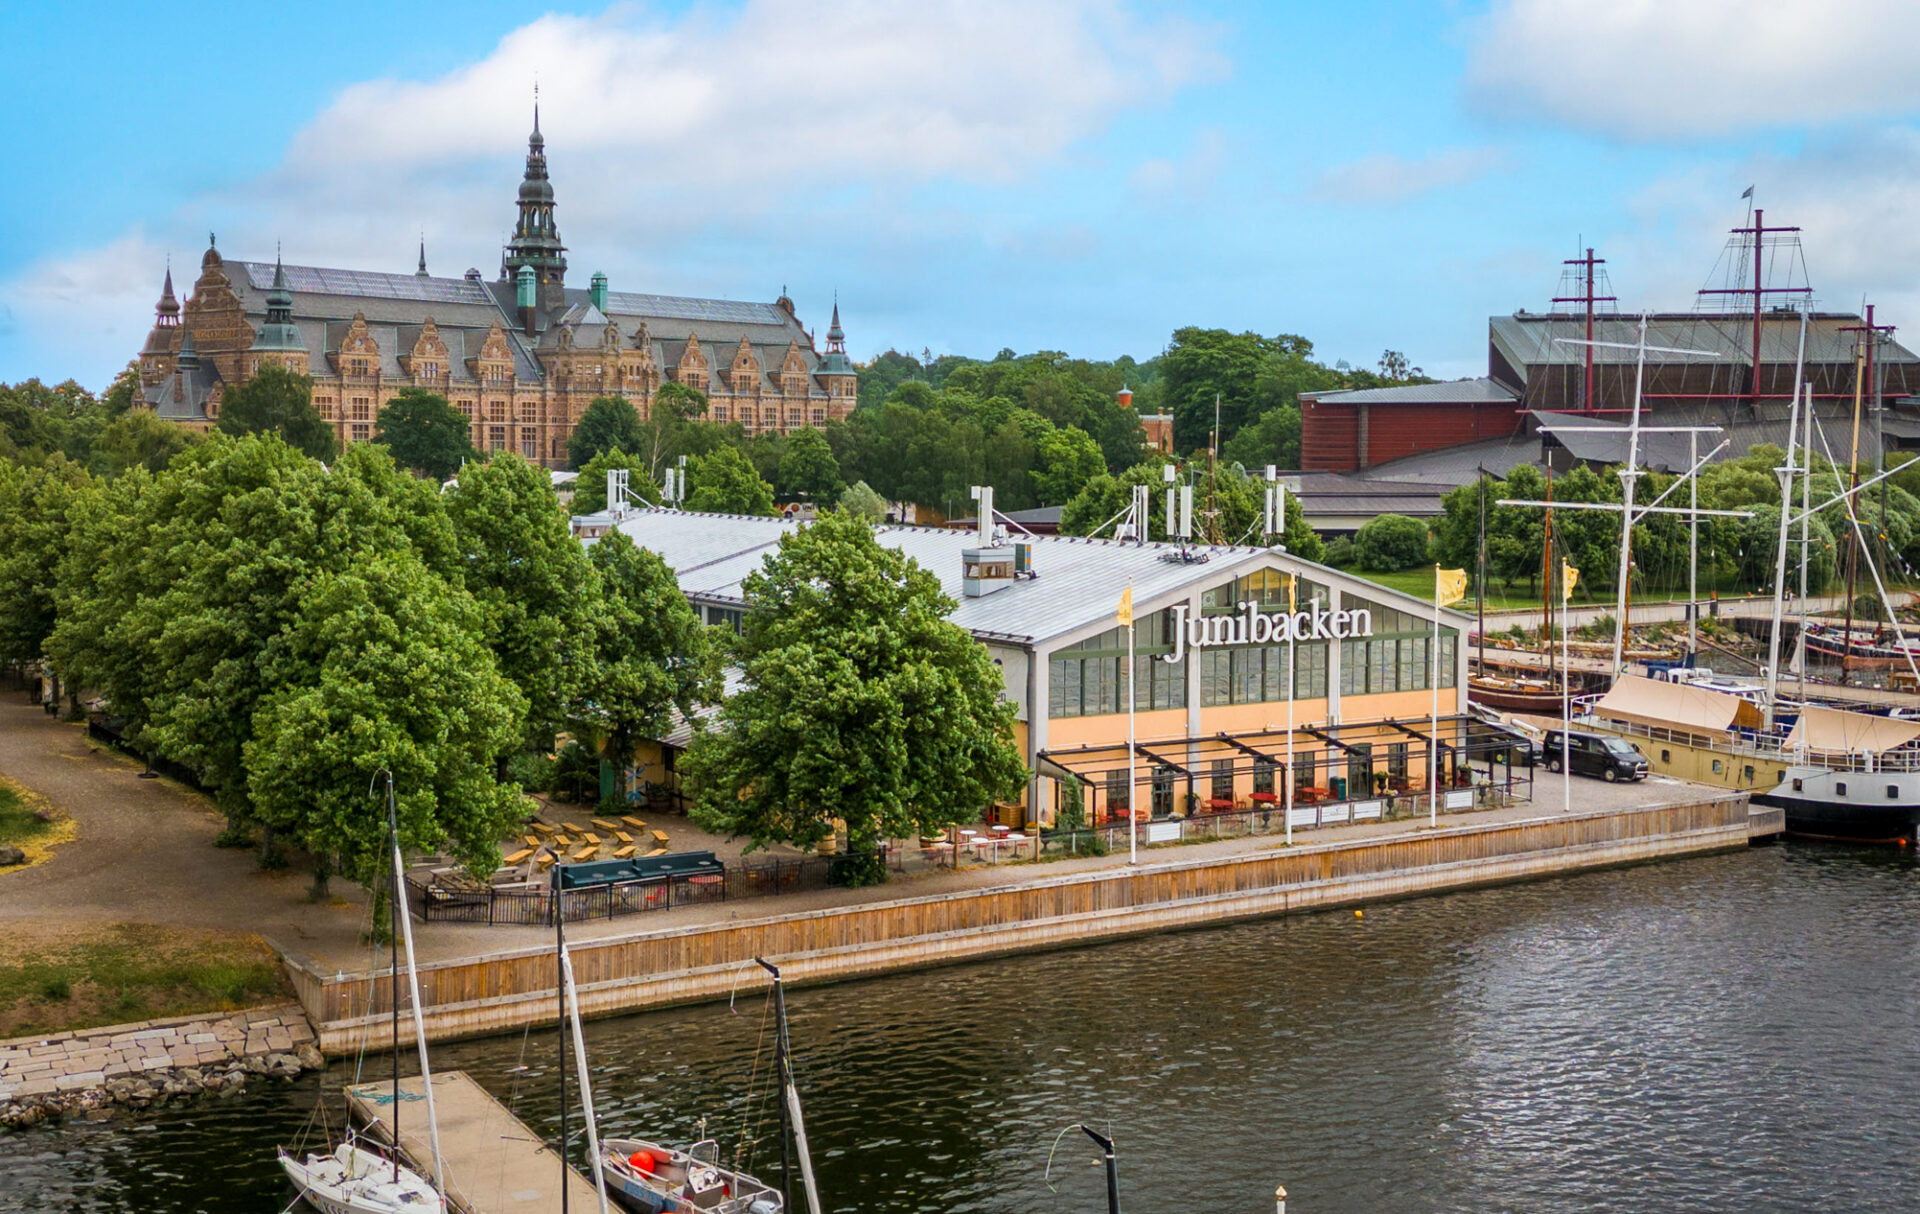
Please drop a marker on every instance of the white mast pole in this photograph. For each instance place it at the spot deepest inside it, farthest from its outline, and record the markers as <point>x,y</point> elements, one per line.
<point>1433,739</point>
<point>1133,846</point>
<point>586,1087</point>
<point>1630,474</point>
<point>413,991</point>
<point>1293,685</point>
<point>1693,547</point>
<point>1780,552</point>
<point>1566,704</point>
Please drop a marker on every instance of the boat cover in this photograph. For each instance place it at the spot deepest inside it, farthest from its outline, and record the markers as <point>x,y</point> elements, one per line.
<point>1675,706</point>
<point>1837,730</point>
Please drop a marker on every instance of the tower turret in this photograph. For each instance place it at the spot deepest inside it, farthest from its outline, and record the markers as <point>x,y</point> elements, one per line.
<point>536,240</point>
<point>835,360</point>
<point>279,335</point>
<point>167,311</point>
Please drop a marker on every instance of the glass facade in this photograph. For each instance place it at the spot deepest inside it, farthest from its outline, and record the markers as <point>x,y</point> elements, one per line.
<point>1397,657</point>
<point>1091,678</point>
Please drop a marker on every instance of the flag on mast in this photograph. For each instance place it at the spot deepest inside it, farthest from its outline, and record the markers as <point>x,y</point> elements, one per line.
<point>1569,576</point>
<point>1125,610</point>
<point>1449,586</point>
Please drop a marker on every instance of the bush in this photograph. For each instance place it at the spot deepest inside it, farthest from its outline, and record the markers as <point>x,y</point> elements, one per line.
<point>1391,542</point>
<point>856,869</point>
<point>1340,552</point>
<point>575,770</point>
<point>533,773</point>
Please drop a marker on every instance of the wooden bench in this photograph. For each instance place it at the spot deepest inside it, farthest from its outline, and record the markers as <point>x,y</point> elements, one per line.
<point>623,836</point>
<point>625,853</point>
<point>658,851</point>
<point>587,852</point>
<point>542,827</point>
<point>605,825</point>
<point>572,828</point>
<point>636,823</point>
<point>660,837</point>
<point>562,841</point>
<point>519,857</point>
<point>591,838</point>
<point>530,840</point>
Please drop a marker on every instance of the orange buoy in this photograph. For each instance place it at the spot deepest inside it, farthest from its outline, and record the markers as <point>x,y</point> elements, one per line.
<point>642,1161</point>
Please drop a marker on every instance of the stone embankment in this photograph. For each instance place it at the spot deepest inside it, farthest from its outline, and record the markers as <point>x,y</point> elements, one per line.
<point>155,1062</point>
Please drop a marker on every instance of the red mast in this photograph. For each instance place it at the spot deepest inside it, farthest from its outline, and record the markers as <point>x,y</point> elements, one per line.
<point>1759,231</point>
<point>1587,298</point>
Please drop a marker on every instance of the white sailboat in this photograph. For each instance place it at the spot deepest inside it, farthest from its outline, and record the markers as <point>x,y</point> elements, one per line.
<point>355,1177</point>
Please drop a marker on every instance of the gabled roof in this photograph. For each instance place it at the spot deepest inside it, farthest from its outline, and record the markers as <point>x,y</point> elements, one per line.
<point>1450,392</point>
<point>1078,584</point>
<point>1531,339</point>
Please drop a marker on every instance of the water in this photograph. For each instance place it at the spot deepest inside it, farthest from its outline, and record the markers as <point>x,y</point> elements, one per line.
<point>1730,1033</point>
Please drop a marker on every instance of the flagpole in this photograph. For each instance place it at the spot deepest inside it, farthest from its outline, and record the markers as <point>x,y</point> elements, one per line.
<point>1566,699</point>
<point>1293,685</point>
<point>1433,682</point>
<point>1133,791</point>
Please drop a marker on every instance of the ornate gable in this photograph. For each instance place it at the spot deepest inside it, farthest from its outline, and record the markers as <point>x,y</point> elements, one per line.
<point>495,362</point>
<point>745,374</point>
<point>693,364</point>
<point>793,371</point>
<point>220,329</point>
<point>428,358</point>
<point>359,354</point>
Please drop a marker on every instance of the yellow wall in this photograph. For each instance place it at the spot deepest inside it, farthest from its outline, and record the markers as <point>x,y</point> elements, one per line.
<point>1696,763</point>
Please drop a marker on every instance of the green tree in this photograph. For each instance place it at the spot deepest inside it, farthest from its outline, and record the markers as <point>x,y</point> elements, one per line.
<point>863,503</point>
<point>590,490</point>
<point>278,401</point>
<point>1069,458</point>
<point>1273,438</point>
<point>725,483</point>
<point>139,438</point>
<point>860,701</point>
<point>425,432</point>
<point>1389,542</point>
<point>671,429</point>
<point>808,469</point>
<point>607,422</point>
<point>381,669</point>
<point>37,505</point>
<point>530,579</point>
<point>651,655</point>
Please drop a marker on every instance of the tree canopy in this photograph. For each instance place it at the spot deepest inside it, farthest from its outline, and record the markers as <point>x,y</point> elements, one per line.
<point>424,432</point>
<point>278,401</point>
<point>724,482</point>
<point>607,422</point>
<point>807,467</point>
<point>590,489</point>
<point>860,701</point>
<point>1387,543</point>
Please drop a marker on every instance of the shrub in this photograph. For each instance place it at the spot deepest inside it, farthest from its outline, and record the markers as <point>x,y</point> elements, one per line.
<point>533,773</point>
<point>1391,542</point>
<point>1340,551</point>
<point>575,770</point>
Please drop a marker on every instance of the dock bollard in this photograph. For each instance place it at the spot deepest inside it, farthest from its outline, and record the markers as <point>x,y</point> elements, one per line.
<point>1280,1199</point>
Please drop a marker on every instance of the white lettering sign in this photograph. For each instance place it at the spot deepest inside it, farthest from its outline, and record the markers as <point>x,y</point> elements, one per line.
<point>1256,627</point>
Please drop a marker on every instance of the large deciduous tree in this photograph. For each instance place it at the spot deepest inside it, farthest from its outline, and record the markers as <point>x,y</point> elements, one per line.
<point>278,401</point>
<point>609,421</point>
<point>590,488</point>
<point>37,507</point>
<point>530,577</point>
<point>382,668</point>
<point>651,656</point>
<point>1069,458</point>
<point>425,432</point>
<point>139,438</point>
<point>860,701</point>
<point>807,467</point>
<point>724,482</point>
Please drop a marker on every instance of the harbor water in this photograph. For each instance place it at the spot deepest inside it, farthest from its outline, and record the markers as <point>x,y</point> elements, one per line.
<point>1736,1032</point>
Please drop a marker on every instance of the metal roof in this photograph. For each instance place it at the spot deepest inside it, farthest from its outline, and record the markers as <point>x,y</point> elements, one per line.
<point>1530,339</point>
<point>370,284</point>
<point>1078,584</point>
<point>1452,392</point>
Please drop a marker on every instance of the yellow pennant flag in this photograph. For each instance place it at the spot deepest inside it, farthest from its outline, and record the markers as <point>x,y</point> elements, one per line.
<point>1449,586</point>
<point>1569,577</point>
<point>1291,604</point>
<point>1125,611</point>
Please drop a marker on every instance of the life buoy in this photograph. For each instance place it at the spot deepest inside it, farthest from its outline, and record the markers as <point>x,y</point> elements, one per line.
<point>642,1161</point>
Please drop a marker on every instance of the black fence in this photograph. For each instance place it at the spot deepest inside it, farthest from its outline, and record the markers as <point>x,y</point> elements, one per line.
<point>454,901</point>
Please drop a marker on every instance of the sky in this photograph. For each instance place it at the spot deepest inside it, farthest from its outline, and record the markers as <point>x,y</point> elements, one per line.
<point>968,175</point>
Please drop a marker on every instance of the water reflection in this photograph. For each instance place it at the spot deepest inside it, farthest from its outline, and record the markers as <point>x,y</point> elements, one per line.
<point>1731,1032</point>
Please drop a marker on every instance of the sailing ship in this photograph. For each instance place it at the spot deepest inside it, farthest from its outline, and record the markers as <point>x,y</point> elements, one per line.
<point>357,1177</point>
<point>1859,649</point>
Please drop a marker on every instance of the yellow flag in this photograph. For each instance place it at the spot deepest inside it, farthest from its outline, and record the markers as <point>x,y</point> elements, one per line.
<point>1291,604</point>
<point>1569,577</point>
<point>1126,608</point>
<point>1449,586</point>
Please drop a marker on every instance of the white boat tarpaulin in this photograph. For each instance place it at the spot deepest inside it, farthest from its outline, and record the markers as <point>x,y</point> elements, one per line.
<point>1837,731</point>
<point>1675,706</point>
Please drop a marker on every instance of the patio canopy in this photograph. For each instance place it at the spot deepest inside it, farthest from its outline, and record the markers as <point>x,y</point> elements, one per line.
<point>1675,706</point>
<point>1836,730</point>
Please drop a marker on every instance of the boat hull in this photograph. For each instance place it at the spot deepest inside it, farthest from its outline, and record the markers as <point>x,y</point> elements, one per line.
<point>680,1183</point>
<point>1856,806</point>
<point>1541,701</point>
<point>350,1180</point>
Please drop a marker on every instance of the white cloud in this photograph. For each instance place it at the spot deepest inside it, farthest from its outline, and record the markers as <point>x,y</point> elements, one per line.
<point>1185,178</point>
<point>720,151</point>
<point>1659,70</point>
<point>1386,178</point>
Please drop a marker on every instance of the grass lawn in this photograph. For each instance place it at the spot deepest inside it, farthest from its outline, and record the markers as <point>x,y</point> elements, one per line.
<point>127,972</point>
<point>18,825</point>
<point>1418,582</point>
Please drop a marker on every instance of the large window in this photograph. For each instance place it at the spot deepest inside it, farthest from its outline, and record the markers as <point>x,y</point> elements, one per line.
<point>1091,678</point>
<point>1397,657</point>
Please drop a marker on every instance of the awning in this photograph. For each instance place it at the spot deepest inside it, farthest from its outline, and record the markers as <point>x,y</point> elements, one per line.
<point>1675,706</point>
<point>1836,730</point>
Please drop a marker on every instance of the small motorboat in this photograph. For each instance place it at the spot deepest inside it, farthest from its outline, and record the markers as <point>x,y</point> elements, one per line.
<point>649,1178</point>
<point>352,1179</point>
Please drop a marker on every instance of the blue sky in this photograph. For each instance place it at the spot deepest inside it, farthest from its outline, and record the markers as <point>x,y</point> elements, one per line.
<point>1084,175</point>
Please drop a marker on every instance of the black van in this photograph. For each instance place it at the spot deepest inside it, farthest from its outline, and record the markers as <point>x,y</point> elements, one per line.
<point>1596,754</point>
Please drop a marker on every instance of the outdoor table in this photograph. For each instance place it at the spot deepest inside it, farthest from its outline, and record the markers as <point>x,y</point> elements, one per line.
<point>1000,831</point>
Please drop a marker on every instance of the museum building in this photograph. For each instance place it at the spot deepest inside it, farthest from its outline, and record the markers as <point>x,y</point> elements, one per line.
<point>521,356</point>
<point>1222,662</point>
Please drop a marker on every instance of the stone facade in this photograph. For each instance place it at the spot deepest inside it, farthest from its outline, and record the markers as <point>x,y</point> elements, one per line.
<point>521,356</point>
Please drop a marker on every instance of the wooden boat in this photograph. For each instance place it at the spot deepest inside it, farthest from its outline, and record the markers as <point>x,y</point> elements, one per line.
<point>650,1178</point>
<point>1509,694</point>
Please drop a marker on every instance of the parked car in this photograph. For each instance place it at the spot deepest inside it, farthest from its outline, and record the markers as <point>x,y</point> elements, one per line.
<point>1596,754</point>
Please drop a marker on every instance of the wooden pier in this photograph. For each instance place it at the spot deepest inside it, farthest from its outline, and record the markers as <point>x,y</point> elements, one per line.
<point>493,1163</point>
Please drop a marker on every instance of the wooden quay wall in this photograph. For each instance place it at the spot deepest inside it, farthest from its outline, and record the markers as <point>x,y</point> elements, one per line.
<point>504,991</point>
